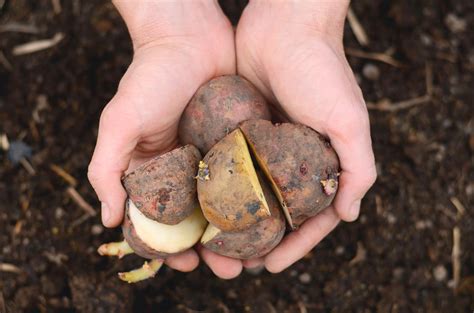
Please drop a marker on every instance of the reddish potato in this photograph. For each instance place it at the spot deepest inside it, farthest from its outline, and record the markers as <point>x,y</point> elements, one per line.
<point>217,108</point>
<point>164,188</point>
<point>301,164</point>
<point>253,242</point>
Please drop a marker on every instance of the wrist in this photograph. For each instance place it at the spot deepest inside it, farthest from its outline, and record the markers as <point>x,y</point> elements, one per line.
<point>148,21</point>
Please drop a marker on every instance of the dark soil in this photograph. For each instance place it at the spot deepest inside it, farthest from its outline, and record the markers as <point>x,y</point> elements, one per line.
<point>51,100</point>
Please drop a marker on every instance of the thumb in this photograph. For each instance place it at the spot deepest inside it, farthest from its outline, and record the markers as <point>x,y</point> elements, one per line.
<point>117,138</point>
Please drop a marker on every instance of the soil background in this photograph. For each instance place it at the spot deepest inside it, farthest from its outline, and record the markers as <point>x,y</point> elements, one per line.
<point>396,258</point>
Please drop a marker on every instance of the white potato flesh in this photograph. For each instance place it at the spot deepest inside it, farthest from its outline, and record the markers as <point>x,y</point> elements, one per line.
<point>168,238</point>
<point>211,232</point>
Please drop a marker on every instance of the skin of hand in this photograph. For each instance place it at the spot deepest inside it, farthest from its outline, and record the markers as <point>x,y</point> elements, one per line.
<point>178,46</point>
<point>293,52</point>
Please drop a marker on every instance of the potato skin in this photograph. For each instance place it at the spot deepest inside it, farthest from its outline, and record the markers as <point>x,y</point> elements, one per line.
<point>299,161</point>
<point>164,188</point>
<point>229,199</point>
<point>256,241</point>
<point>217,108</point>
<point>138,246</point>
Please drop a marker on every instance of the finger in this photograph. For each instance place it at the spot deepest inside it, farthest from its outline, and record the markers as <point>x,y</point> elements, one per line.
<point>354,148</point>
<point>186,261</point>
<point>298,243</point>
<point>224,267</point>
<point>117,138</point>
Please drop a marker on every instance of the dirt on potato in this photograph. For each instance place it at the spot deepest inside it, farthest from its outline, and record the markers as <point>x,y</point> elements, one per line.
<point>396,258</point>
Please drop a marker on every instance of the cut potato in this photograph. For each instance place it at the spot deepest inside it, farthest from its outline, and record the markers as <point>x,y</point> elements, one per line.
<point>301,165</point>
<point>151,239</point>
<point>230,194</point>
<point>164,188</point>
<point>253,242</point>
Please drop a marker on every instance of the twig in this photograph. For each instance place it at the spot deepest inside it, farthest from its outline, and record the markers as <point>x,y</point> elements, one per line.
<point>19,28</point>
<point>28,167</point>
<point>10,268</point>
<point>37,45</point>
<point>79,221</point>
<point>56,258</point>
<point>387,105</point>
<point>456,255</point>
<point>63,174</point>
<point>361,254</point>
<point>72,192</point>
<point>459,206</point>
<point>376,56</point>
<point>429,79</point>
<point>56,6</point>
<point>4,143</point>
<point>4,61</point>
<point>357,28</point>
<point>302,307</point>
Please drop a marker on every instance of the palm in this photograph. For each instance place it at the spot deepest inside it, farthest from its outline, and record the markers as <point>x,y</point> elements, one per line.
<point>305,75</point>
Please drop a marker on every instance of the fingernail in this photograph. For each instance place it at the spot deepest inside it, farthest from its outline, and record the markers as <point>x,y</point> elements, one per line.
<point>105,213</point>
<point>354,210</point>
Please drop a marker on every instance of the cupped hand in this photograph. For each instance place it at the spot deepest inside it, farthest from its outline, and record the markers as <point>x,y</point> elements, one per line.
<point>293,52</point>
<point>178,46</point>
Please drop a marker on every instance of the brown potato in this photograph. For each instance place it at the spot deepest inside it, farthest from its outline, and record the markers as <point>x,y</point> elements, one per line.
<point>164,188</point>
<point>301,164</point>
<point>229,192</point>
<point>217,108</point>
<point>152,240</point>
<point>253,242</point>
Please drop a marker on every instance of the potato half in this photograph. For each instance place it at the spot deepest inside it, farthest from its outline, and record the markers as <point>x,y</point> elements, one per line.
<point>253,242</point>
<point>217,108</point>
<point>164,188</point>
<point>301,165</point>
<point>230,195</point>
<point>152,240</point>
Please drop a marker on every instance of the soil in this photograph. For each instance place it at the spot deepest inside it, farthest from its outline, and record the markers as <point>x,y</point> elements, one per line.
<point>396,258</point>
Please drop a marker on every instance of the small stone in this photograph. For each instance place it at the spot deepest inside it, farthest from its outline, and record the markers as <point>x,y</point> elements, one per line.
<point>440,273</point>
<point>231,294</point>
<point>423,224</point>
<point>391,219</point>
<point>470,190</point>
<point>305,278</point>
<point>371,72</point>
<point>17,151</point>
<point>59,213</point>
<point>97,229</point>
<point>455,23</point>
<point>340,250</point>
<point>398,273</point>
<point>293,273</point>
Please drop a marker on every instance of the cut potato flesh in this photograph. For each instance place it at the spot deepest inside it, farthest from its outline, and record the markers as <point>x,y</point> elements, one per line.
<point>168,238</point>
<point>274,186</point>
<point>231,197</point>
<point>211,232</point>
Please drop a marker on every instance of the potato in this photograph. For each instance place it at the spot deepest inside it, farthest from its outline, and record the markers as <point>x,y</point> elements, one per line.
<point>150,239</point>
<point>229,192</point>
<point>253,242</point>
<point>217,108</point>
<point>300,163</point>
<point>164,188</point>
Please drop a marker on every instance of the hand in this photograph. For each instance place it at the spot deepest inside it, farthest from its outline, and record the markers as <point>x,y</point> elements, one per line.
<point>178,46</point>
<point>293,52</point>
